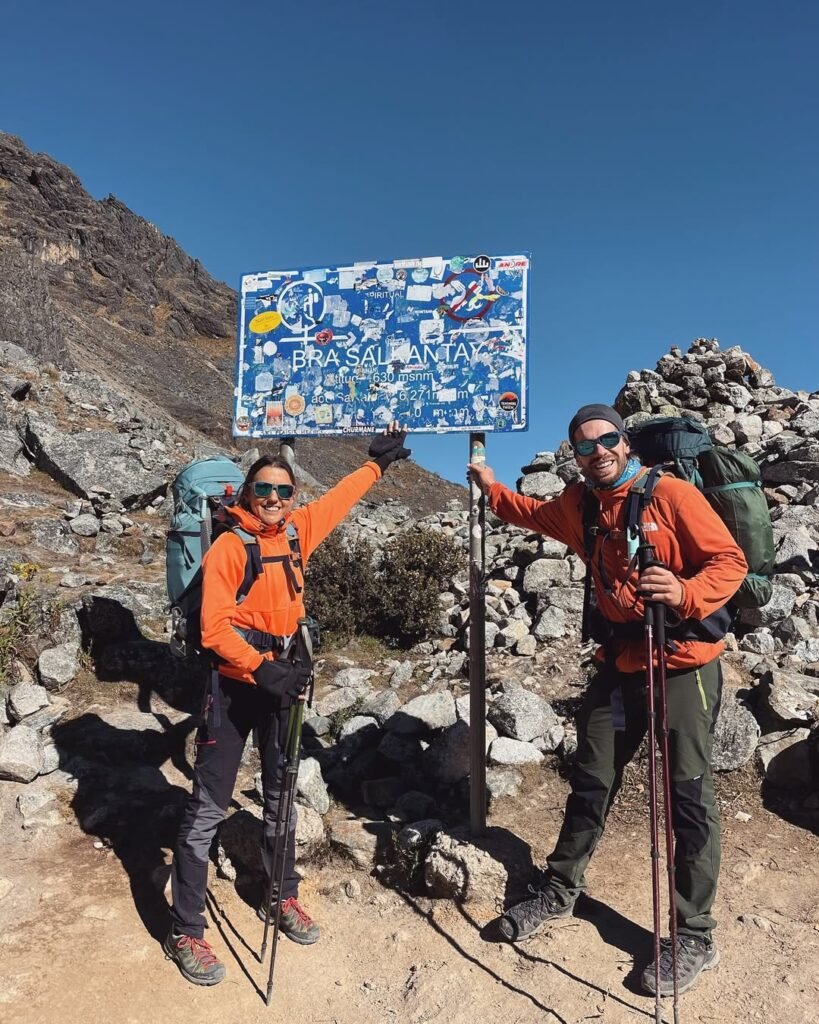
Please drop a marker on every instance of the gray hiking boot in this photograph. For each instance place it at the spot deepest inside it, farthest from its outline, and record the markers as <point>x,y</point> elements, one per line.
<point>526,918</point>
<point>694,954</point>
<point>295,922</point>
<point>194,958</point>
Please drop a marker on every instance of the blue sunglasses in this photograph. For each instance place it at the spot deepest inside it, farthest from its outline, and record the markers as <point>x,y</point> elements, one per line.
<point>587,445</point>
<point>264,490</point>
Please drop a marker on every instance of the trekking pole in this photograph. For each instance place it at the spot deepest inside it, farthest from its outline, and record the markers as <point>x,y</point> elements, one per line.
<point>303,655</point>
<point>645,552</point>
<point>659,625</point>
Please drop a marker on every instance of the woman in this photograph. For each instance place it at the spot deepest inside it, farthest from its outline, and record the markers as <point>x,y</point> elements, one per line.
<point>255,687</point>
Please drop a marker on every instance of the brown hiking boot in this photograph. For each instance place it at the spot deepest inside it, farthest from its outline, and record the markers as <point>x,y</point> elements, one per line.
<point>194,958</point>
<point>295,922</point>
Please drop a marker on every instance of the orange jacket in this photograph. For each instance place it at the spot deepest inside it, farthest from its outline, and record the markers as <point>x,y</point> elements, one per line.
<point>272,605</point>
<point>689,538</point>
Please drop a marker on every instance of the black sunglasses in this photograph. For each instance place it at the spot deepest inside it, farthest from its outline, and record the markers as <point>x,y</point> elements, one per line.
<point>587,445</point>
<point>264,490</point>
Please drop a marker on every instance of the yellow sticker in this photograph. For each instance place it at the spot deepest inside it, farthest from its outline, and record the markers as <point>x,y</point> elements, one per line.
<point>294,405</point>
<point>264,322</point>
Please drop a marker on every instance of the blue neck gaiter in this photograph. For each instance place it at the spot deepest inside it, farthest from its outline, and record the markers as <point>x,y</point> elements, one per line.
<point>631,470</point>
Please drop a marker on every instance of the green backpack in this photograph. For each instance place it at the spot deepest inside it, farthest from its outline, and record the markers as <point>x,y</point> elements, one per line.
<point>731,482</point>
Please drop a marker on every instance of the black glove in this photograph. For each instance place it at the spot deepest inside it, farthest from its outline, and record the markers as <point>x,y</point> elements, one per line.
<point>282,678</point>
<point>389,447</point>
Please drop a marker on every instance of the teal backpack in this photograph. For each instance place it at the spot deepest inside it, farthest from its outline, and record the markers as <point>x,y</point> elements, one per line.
<point>731,482</point>
<point>201,492</point>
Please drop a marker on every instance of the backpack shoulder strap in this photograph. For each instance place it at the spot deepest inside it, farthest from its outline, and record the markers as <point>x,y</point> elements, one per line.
<point>591,511</point>
<point>253,562</point>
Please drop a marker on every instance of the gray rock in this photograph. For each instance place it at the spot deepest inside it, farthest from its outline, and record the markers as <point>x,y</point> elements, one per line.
<point>759,642</point>
<point>423,714</point>
<point>382,706</point>
<point>92,462</point>
<point>779,607</point>
<point>310,786</point>
<point>791,698</point>
<point>526,647</point>
<point>359,731</point>
<point>310,835</point>
<point>447,760</point>
<point>413,806</point>
<point>508,751</point>
<point>552,625</point>
<point>21,754</point>
<point>543,574</point>
<point>785,758</point>
<point>551,739</point>
<point>355,678</point>
<point>502,782</point>
<point>457,869</point>
<point>12,454</point>
<point>795,549</point>
<point>25,699</point>
<point>316,725</point>
<point>736,734</point>
<point>415,837</point>
<point>402,674</point>
<point>360,840</point>
<point>541,485</point>
<point>53,535</point>
<point>339,700</point>
<point>568,599</point>
<point>57,666</point>
<point>522,715</point>
<point>85,525</point>
<point>38,810</point>
<point>512,633</point>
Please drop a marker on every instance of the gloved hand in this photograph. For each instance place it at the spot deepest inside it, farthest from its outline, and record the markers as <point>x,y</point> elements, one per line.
<point>388,447</point>
<point>282,678</point>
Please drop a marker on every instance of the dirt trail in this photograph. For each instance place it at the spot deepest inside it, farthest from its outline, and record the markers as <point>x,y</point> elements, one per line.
<point>76,948</point>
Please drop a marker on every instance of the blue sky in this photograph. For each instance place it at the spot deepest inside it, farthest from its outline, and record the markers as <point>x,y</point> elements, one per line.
<point>658,159</point>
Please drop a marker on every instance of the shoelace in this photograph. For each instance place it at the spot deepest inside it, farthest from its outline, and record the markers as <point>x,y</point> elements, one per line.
<point>200,949</point>
<point>687,950</point>
<point>293,904</point>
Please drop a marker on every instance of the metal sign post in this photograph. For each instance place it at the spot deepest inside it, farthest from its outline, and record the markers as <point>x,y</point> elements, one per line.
<point>477,643</point>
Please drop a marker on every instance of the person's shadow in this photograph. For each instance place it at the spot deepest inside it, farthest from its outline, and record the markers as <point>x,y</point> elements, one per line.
<point>123,798</point>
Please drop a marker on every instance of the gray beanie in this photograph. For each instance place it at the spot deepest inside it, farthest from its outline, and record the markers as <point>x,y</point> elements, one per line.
<point>596,412</point>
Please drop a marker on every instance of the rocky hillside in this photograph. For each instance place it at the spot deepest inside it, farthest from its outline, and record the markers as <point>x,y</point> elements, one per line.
<point>88,285</point>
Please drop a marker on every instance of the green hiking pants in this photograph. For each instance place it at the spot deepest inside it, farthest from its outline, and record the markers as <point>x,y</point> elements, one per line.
<point>611,727</point>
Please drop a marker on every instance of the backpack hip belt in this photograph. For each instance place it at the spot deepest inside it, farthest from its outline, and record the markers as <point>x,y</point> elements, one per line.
<point>264,642</point>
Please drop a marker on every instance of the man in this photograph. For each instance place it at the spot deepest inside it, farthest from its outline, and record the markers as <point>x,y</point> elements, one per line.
<point>703,567</point>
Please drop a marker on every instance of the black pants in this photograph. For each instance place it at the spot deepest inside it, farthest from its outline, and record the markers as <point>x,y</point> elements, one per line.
<point>608,737</point>
<point>242,707</point>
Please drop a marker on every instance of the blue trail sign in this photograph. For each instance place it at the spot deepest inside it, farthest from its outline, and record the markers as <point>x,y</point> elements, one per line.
<point>439,344</point>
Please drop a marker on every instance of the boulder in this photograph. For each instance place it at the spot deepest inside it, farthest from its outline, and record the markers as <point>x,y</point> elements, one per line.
<point>785,759</point>
<point>790,698</point>
<point>310,835</point>
<point>21,754</point>
<point>311,789</point>
<point>423,714</point>
<point>86,525</point>
<point>736,734</point>
<point>521,715</point>
<point>447,759</point>
<point>25,699</point>
<point>57,666</point>
<point>360,840</point>
<point>545,573</point>
<point>502,782</point>
<point>504,751</point>
<point>458,870</point>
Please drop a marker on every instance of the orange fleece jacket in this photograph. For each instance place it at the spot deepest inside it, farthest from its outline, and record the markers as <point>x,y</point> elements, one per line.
<point>272,605</point>
<point>689,538</point>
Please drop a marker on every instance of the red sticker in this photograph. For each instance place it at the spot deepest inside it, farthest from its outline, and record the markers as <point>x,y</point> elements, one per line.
<point>508,401</point>
<point>324,337</point>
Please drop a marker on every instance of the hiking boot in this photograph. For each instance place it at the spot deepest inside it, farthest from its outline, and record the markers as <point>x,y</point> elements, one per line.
<point>526,918</point>
<point>194,958</point>
<point>294,922</point>
<point>694,954</point>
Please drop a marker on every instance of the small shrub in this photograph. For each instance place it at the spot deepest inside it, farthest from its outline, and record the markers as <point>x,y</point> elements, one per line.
<point>25,570</point>
<point>340,586</point>
<point>17,628</point>
<point>338,719</point>
<point>413,569</point>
